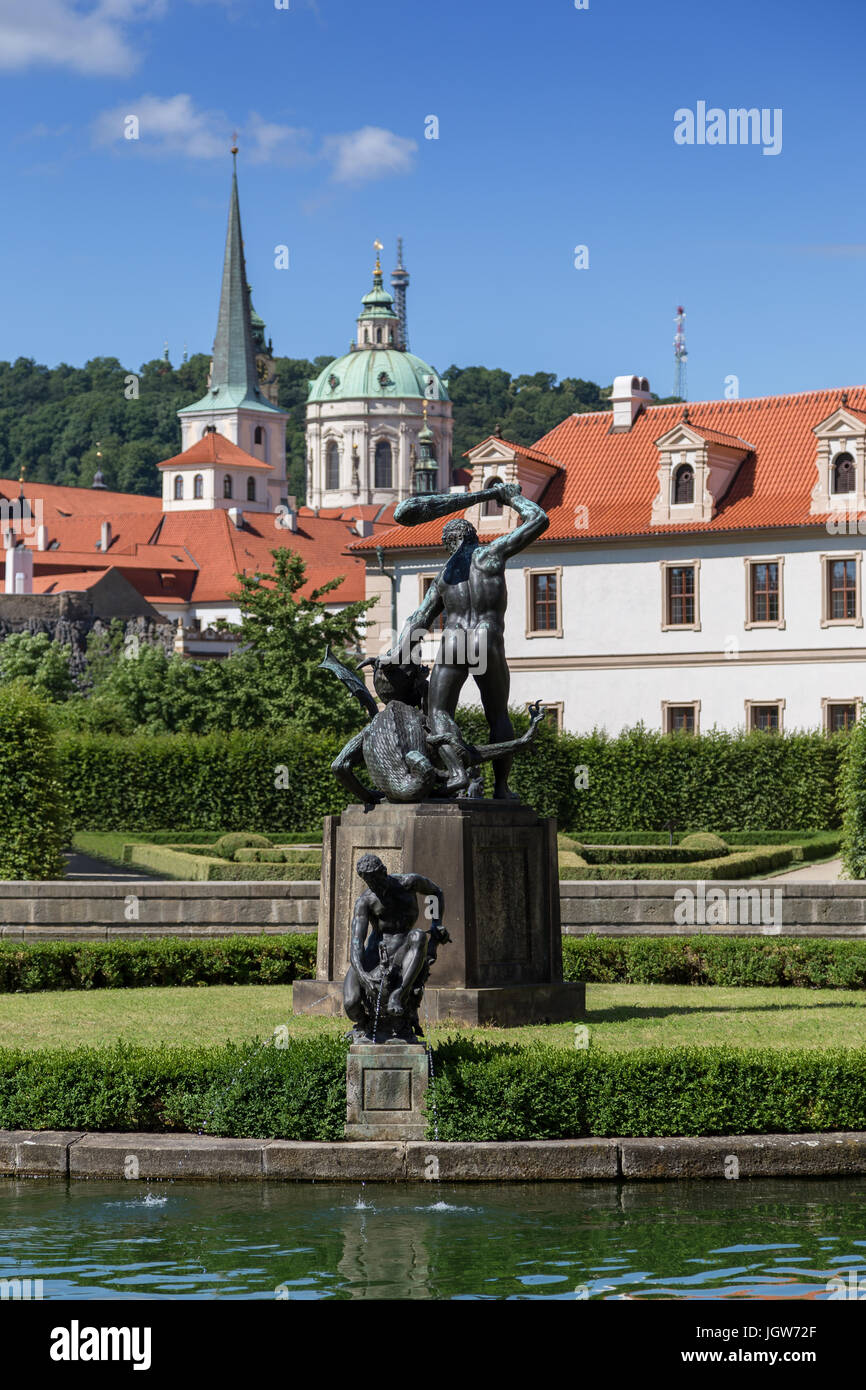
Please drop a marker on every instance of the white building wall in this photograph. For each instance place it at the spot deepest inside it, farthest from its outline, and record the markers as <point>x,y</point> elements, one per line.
<point>614,664</point>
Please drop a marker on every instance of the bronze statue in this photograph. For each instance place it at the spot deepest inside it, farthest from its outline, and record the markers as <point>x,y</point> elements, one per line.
<point>406,759</point>
<point>390,957</point>
<point>470,590</point>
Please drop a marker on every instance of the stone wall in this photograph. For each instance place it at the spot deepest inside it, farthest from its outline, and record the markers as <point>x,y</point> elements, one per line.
<point>99,911</point>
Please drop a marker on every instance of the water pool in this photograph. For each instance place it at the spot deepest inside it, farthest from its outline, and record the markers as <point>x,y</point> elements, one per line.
<point>764,1239</point>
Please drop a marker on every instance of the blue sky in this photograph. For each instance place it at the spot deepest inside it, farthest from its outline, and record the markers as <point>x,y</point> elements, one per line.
<point>556,129</point>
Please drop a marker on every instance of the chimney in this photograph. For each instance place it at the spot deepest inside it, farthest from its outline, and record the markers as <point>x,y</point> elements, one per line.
<point>42,538</point>
<point>105,535</point>
<point>363,526</point>
<point>628,395</point>
<point>290,515</point>
<point>236,517</point>
<point>19,570</point>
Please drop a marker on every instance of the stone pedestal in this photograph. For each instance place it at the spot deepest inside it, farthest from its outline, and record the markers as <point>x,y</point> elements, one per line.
<point>496,863</point>
<point>386,1084</point>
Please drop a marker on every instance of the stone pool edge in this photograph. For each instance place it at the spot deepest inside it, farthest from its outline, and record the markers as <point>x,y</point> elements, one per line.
<point>162,1157</point>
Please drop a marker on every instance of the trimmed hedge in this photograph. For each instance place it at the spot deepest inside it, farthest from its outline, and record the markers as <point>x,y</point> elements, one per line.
<point>854,803</point>
<point>226,845</point>
<point>33,811</point>
<point>247,1090</point>
<point>235,781</point>
<point>499,1091</point>
<point>197,865</point>
<point>229,960</point>
<point>731,962</point>
<point>482,1091</point>
<point>762,859</point>
<point>648,854</point>
<point>279,960</point>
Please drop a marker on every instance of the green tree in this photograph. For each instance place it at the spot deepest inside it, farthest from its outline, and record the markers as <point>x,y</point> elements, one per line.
<point>37,660</point>
<point>287,634</point>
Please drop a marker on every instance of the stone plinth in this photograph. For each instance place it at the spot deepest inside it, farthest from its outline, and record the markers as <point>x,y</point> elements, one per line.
<point>496,863</point>
<point>386,1084</point>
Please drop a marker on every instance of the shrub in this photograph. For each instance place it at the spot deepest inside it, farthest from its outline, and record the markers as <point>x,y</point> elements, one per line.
<point>648,854</point>
<point>639,779</point>
<point>33,814</point>
<point>170,960</point>
<point>747,863</point>
<point>705,840</point>
<point>802,963</point>
<point>854,804</point>
<point>502,1091</point>
<point>227,844</point>
<point>483,1091</point>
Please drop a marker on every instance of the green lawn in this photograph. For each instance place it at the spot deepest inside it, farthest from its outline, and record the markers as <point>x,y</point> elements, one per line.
<point>618,1017</point>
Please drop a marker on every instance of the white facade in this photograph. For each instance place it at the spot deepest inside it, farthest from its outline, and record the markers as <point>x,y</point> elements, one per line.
<point>613,660</point>
<point>354,428</point>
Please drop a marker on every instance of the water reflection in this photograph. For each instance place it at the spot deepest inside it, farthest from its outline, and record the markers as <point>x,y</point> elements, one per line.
<point>517,1241</point>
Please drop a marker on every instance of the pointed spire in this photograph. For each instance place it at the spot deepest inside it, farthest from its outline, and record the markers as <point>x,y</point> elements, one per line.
<point>234,358</point>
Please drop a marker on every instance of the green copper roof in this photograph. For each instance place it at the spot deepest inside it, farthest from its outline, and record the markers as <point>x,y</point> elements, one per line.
<point>377,373</point>
<point>234,381</point>
<point>378,304</point>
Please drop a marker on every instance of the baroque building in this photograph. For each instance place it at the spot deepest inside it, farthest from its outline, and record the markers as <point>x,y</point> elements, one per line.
<point>367,412</point>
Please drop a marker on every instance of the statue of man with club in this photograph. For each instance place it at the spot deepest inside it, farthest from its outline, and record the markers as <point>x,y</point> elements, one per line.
<point>470,592</point>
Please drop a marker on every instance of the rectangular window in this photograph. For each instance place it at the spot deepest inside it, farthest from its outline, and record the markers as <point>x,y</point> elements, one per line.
<point>766,718</point>
<point>426,581</point>
<point>765,592</point>
<point>681,595</point>
<point>544,603</point>
<point>842,575</point>
<point>553,714</point>
<point>839,715</point>
<point>681,719</point>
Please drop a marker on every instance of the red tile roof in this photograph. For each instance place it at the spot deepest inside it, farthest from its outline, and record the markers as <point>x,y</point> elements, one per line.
<point>614,476</point>
<point>535,454</point>
<point>215,448</point>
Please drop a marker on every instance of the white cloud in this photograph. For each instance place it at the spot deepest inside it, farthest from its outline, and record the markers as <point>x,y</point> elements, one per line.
<point>88,38</point>
<point>167,125</point>
<point>176,126</point>
<point>368,153</point>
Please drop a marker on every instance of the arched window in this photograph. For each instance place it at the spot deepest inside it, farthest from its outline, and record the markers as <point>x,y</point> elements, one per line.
<point>227,486</point>
<point>258,435</point>
<point>382,474</point>
<point>843,473</point>
<point>251,489</point>
<point>492,508</point>
<point>198,486</point>
<point>366,335</point>
<point>332,466</point>
<point>684,485</point>
<point>378,335</point>
<point>178,488</point>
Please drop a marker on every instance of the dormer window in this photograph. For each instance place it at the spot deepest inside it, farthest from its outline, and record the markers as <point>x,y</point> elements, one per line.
<point>227,485</point>
<point>843,473</point>
<point>684,486</point>
<point>491,506</point>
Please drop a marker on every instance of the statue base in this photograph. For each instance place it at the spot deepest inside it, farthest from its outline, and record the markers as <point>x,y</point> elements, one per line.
<point>496,862</point>
<point>386,1085</point>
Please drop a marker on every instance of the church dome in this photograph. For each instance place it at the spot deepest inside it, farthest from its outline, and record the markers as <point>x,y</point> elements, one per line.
<point>379,374</point>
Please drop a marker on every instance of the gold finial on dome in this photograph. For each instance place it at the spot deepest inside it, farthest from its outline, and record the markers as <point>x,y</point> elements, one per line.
<point>377,247</point>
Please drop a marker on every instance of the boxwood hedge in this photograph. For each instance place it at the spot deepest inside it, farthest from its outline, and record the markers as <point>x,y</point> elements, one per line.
<point>281,781</point>
<point>483,1091</point>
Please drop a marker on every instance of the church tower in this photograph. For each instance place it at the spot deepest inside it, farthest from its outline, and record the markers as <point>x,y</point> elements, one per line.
<point>374,412</point>
<point>240,402</point>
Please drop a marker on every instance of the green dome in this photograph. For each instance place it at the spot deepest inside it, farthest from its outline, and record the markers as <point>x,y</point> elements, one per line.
<point>377,373</point>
